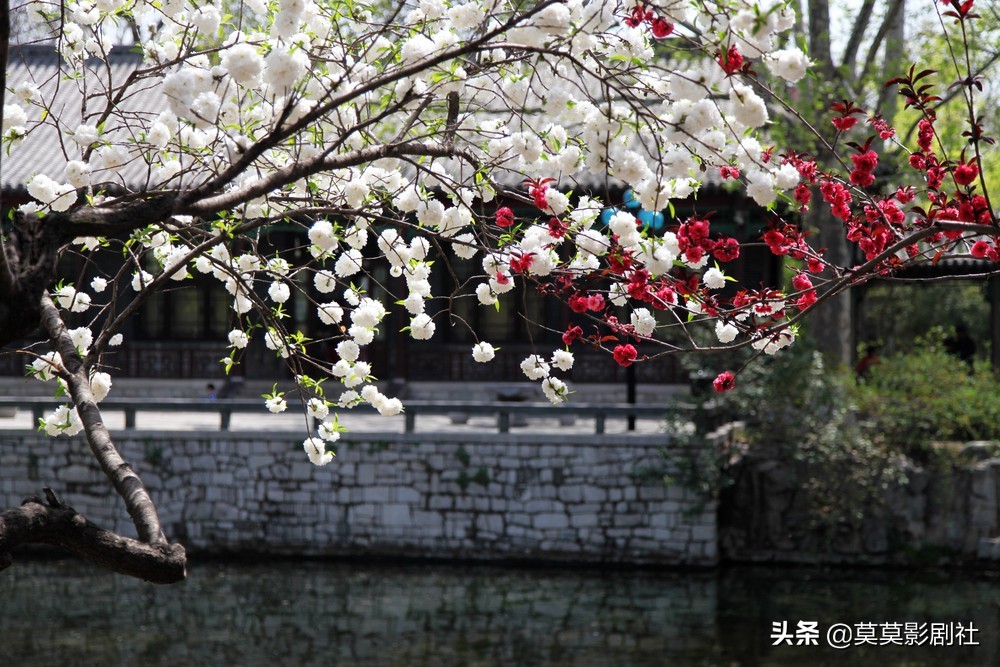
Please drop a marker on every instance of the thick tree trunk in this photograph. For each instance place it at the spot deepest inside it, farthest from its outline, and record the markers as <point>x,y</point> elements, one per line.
<point>831,325</point>
<point>151,557</point>
<point>51,522</point>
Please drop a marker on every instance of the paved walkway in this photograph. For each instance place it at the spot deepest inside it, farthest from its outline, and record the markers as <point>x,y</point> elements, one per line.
<point>366,422</point>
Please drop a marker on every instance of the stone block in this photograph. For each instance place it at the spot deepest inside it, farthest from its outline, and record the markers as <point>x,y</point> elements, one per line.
<point>441,502</point>
<point>361,516</point>
<point>583,520</point>
<point>570,494</point>
<point>366,474</point>
<point>406,495</point>
<point>539,506</point>
<point>550,521</point>
<point>376,494</point>
<point>396,515</point>
<point>77,473</point>
<point>427,523</point>
<point>703,533</point>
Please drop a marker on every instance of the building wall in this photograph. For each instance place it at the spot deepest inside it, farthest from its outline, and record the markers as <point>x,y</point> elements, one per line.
<point>475,496</point>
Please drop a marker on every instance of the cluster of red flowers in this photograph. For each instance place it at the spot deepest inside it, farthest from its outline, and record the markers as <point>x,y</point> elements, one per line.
<point>625,354</point>
<point>521,263</point>
<point>845,120</point>
<point>803,283</point>
<point>863,173</point>
<point>839,198</point>
<point>660,27</point>
<point>731,61</point>
<point>694,241</point>
<point>581,303</point>
<point>504,217</point>
<point>884,130</point>
<point>983,250</point>
<point>538,196</point>
<point>728,172</point>
<point>966,173</point>
<point>572,333</point>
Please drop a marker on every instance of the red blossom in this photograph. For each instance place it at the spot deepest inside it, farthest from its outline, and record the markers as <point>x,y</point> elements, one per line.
<point>579,304</point>
<point>571,334</point>
<point>731,61</point>
<point>803,194</point>
<point>521,264</point>
<point>665,296</point>
<point>904,195</point>
<point>625,355</point>
<point>635,16</point>
<point>801,282</point>
<point>806,300</point>
<point>925,134</point>
<point>724,382</point>
<point>661,27</point>
<point>844,123</point>
<point>884,130</point>
<point>966,173</point>
<point>980,249</point>
<point>862,178</point>
<point>504,217</point>
<point>845,111</point>
<point>728,172</point>
<point>866,161</point>
<point>726,250</point>
<point>694,254</point>
<point>538,196</point>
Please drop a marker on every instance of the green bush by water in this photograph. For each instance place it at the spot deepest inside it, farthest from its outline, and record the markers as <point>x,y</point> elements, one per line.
<point>913,399</point>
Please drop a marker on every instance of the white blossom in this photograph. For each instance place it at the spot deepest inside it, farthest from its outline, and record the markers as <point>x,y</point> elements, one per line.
<point>421,327</point>
<point>563,360</point>
<point>315,448</point>
<point>483,352</point>
<point>238,339</point>
<point>534,367</point>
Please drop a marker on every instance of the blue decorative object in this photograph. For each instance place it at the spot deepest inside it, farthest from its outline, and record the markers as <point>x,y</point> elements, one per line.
<point>650,220</point>
<point>629,199</point>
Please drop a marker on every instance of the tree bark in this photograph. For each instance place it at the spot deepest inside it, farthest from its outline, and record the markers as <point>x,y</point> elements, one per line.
<point>831,324</point>
<point>150,557</point>
<point>51,522</point>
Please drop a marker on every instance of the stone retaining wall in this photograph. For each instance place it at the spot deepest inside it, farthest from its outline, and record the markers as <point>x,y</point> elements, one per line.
<point>476,496</point>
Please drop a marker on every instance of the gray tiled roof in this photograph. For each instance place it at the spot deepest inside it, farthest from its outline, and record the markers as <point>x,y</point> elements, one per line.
<point>71,101</point>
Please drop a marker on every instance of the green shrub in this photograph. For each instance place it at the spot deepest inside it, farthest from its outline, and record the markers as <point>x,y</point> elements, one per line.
<point>803,412</point>
<point>913,399</point>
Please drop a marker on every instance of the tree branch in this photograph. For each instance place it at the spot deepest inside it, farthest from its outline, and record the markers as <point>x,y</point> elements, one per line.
<point>124,479</point>
<point>857,34</point>
<point>277,179</point>
<point>891,15</point>
<point>51,522</point>
<point>6,273</point>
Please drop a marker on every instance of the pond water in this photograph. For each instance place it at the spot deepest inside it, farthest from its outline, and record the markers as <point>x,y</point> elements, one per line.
<point>286,612</point>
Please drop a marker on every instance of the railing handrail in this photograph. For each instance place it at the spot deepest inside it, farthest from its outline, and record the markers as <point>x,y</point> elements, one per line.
<point>225,407</point>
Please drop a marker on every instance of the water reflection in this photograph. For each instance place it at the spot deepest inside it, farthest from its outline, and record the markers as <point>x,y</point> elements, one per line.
<point>323,613</point>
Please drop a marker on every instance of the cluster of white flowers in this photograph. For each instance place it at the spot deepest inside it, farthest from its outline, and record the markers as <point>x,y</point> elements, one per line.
<point>341,96</point>
<point>536,367</point>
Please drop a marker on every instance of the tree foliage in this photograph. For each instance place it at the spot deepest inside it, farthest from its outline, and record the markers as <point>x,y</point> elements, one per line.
<point>410,135</point>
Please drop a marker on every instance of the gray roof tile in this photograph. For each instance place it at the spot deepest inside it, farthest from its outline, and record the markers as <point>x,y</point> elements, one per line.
<point>72,101</point>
